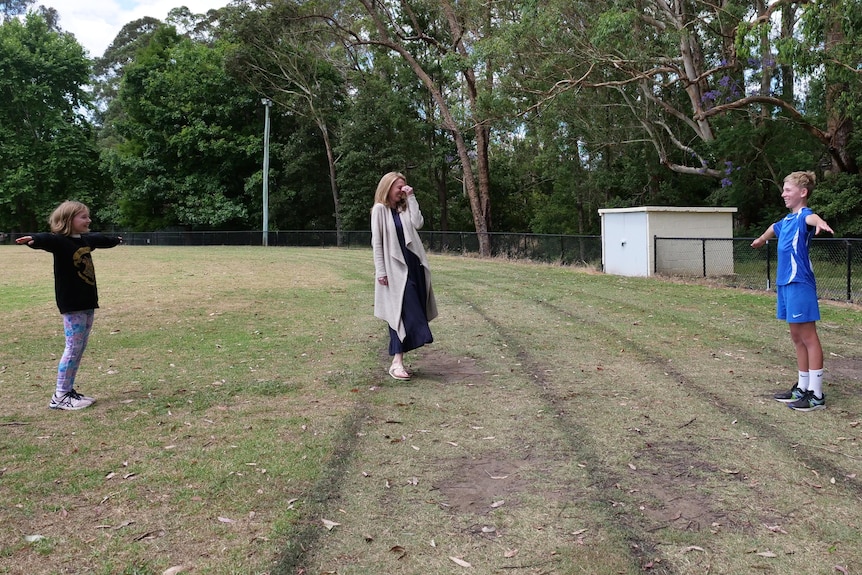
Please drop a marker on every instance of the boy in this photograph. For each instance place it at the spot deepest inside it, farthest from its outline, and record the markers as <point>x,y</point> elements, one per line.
<point>796,289</point>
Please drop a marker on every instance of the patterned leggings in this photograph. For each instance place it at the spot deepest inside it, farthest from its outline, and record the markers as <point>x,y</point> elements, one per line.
<point>77,326</point>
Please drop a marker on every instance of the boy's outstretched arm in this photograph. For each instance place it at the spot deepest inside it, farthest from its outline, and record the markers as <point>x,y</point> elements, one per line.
<point>819,224</point>
<point>767,235</point>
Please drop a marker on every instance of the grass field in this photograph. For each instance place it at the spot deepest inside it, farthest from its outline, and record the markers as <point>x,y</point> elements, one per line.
<point>563,422</point>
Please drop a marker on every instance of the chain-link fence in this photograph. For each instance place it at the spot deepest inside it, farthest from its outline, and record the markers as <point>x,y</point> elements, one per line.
<point>733,262</point>
<point>552,248</point>
<point>727,261</point>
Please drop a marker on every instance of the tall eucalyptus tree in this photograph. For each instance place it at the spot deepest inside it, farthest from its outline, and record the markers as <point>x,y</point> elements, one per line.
<point>427,33</point>
<point>283,55</point>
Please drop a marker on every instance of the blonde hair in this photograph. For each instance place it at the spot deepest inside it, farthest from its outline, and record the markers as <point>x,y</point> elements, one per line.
<point>61,218</point>
<point>381,196</point>
<point>804,180</point>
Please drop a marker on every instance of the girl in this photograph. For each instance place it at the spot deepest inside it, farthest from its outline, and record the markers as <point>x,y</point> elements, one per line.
<point>402,294</point>
<point>74,288</point>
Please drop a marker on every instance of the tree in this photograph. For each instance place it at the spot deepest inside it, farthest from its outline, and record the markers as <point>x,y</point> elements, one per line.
<point>189,139</point>
<point>282,55</point>
<point>428,35</point>
<point>47,146</point>
<point>12,8</point>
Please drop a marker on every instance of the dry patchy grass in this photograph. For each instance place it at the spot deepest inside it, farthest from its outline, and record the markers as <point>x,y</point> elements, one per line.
<point>563,422</point>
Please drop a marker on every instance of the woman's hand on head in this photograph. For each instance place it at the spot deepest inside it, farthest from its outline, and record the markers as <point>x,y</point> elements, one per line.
<point>407,190</point>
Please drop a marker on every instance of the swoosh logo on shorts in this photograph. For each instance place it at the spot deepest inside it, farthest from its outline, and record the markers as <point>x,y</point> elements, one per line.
<point>797,315</point>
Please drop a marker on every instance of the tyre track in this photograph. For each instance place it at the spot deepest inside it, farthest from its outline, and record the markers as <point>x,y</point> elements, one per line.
<point>642,544</point>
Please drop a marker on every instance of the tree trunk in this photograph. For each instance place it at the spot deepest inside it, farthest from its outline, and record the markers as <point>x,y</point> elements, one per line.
<point>839,125</point>
<point>333,185</point>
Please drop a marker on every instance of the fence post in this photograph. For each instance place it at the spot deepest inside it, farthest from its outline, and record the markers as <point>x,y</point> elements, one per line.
<point>703,254</point>
<point>768,262</point>
<point>849,270</point>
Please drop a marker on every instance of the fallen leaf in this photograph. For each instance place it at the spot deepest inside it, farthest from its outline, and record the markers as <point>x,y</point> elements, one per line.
<point>174,570</point>
<point>460,562</point>
<point>497,504</point>
<point>841,569</point>
<point>33,538</point>
<point>693,548</point>
<point>329,524</point>
<point>768,554</point>
<point>226,520</point>
<point>510,553</point>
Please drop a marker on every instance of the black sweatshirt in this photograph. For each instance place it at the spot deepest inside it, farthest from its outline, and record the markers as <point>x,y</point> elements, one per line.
<point>74,275</point>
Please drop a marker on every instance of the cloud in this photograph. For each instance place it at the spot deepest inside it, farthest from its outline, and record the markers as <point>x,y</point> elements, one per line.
<point>95,23</point>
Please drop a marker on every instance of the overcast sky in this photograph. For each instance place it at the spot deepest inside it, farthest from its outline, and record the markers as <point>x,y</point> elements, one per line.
<point>95,23</point>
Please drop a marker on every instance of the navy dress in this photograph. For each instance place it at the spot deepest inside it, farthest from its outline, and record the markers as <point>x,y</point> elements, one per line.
<point>413,310</point>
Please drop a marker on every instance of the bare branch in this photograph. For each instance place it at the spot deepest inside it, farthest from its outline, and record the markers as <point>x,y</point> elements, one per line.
<point>786,106</point>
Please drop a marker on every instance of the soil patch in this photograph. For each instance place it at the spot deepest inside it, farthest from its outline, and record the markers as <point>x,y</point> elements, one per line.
<point>444,368</point>
<point>845,368</point>
<point>672,499</point>
<point>476,484</point>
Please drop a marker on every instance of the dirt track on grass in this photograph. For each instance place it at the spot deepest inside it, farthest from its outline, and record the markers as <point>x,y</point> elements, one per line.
<point>626,442</point>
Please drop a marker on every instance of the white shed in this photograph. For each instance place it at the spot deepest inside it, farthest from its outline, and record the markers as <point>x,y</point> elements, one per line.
<point>628,238</point>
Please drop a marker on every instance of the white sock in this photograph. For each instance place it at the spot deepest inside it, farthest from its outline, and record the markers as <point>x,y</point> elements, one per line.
<point>804,380</point>
<point>815,382</point>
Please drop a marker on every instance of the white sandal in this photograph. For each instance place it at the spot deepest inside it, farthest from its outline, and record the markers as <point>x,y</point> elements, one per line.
<point>394,372</point>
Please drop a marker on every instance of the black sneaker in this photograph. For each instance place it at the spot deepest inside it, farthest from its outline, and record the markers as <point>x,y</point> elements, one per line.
<point>788,396</point>
<point>808,402</point>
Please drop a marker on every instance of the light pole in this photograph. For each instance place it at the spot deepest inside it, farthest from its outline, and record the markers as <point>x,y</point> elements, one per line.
<point>267,104</point>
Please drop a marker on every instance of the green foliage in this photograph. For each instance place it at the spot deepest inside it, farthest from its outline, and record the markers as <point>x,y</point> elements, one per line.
<point>613,28</point>
<point>588,105</point>
<point>189,139</point>
<point>838,200</point>
<point>47,146</point>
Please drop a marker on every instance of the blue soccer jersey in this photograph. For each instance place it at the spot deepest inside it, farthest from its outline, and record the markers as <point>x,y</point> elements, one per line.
<point>794,235</point>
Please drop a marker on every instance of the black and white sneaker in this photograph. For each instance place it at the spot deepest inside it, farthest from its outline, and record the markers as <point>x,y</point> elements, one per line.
<point>808,402</point>
<point>71,400</point>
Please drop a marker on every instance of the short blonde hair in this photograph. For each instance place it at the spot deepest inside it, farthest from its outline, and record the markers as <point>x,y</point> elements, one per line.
<point>804,180</point>
<point>381,195</point>
<point>61,218</point>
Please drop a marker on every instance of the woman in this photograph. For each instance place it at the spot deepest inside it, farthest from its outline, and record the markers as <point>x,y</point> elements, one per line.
<point>402,294</point>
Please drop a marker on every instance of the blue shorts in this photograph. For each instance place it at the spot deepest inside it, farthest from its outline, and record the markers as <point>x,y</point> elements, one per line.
<point>797,303</point>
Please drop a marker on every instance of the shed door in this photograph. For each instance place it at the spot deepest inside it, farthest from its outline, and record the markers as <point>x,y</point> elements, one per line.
<point>626,244</point>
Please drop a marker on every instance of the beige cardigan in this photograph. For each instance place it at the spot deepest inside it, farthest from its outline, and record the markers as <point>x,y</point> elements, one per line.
<point>389,261</point>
